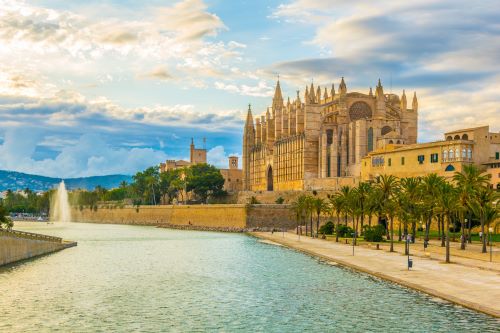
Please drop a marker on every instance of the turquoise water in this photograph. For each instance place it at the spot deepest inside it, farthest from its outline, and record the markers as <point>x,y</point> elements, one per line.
<point>143,279</point>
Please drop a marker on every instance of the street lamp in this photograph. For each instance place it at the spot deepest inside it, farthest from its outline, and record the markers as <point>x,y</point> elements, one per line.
<point>490,231</point>
<point>410,261</point>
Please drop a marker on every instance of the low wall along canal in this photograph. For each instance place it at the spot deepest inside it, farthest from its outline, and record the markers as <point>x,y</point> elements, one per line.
<point>19,245</point>
<point>206,217</point>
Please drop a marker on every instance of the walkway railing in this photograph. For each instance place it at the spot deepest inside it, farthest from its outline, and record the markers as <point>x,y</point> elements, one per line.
<point>30,235</point>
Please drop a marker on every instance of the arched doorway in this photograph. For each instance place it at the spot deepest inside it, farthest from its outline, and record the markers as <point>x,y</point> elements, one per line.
<point>270,178</point>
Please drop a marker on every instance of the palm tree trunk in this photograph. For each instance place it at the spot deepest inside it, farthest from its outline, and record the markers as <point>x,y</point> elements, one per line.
<point>413,231</point>
<point>356,230</point>
<point>469,227</point>
<point>462,237</point>
<point>483,240</point>
<point>392,234</point>
<point>305,222</point>
<point>427,227</point>
<point>448,239</point>
<point>443,233</point>
<point>337,229</point>
<point>317,226</point>
<point>345,218</point>
<point>312,231</point>
<point>362,223</point>
<point>439,227</point>
<point>399,232</point>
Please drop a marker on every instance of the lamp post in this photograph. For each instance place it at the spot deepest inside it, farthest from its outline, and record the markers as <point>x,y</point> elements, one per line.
<point>410,262</point>
<point>490,231</point>
<point>353,238</point>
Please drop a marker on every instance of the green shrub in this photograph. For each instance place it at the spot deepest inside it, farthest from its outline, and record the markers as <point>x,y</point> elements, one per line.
<point>280,200</point>
<point>254,201</point>
<point>327,228</point>
<point>374,234</point>
<point>344,231</point>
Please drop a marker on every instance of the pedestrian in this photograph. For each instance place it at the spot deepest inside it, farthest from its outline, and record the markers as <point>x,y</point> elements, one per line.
<point>481,236</point>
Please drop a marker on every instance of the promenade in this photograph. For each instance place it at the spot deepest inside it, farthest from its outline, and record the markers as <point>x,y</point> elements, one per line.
<point>462,282</point>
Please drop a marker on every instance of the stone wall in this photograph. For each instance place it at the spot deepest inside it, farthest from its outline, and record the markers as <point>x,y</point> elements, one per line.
<point>14,248</point>
<point>207,217</point>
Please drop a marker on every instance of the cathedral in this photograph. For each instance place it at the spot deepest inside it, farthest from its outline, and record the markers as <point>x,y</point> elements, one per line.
<point>312,143</point>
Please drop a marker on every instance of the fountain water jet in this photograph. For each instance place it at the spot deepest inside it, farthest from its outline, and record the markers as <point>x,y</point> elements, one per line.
<point>59,208</point>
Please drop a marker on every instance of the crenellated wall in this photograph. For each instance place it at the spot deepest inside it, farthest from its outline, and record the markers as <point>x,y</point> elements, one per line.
<point>216,217</point>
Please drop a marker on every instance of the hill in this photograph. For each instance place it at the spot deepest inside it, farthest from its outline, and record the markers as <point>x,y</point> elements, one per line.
<point>17,181</point>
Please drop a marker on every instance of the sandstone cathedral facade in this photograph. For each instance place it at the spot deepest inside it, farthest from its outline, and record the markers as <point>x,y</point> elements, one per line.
<point>323,138</point>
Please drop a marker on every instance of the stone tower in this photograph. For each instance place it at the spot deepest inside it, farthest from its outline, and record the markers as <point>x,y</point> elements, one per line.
<point>248,143</point>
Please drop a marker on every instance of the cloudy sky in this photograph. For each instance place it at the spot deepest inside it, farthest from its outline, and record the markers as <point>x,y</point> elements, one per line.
<point>102,87</point>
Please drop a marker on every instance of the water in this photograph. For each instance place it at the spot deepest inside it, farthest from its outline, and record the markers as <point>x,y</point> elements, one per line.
<point>59,205</point>
<point>131,278</point>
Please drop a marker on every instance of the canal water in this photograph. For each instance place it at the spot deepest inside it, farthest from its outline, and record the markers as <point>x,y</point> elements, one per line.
<point>142,279</point>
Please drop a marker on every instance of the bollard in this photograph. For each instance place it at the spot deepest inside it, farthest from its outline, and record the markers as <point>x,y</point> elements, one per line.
<point>346,241</point>
<point>410,263</point>
<point>378,246</point>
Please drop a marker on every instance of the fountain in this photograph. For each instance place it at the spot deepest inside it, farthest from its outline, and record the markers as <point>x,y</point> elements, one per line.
<point>59,205</point>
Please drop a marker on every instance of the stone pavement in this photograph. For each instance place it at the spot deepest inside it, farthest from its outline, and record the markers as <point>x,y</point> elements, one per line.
<point>463,284</point>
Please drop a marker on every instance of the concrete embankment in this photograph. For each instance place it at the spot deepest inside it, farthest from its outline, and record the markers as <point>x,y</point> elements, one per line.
<point>471,287</point>
<point>19,245</point>
<point>230,217</point>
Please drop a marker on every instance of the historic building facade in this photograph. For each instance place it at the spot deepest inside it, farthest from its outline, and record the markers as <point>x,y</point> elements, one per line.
<point>322,138</point>
<point>462,147</point>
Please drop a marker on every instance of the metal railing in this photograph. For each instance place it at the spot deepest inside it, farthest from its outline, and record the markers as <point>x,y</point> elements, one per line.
<point>30,235</point>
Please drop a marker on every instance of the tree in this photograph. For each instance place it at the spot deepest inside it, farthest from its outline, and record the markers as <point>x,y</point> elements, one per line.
<point>298,208</point>
<point>387,185</point>
<point>447,206</point>
<point>468,182</point>
<point>336,206</point>
<point>429,188</point>
<point>5,221</point>
<point>363,191</point>
<point>205,181</point>
<point>484,197</point>
<point>318,206</point>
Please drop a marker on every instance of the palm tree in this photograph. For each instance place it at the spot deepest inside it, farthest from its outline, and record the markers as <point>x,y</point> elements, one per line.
<point>363,192</point>
<point>318,206</point>
<point>429,188</point>
<point>484,197</point>
<point>468,182</point>
<point>410,190</point>
<point>298,207</point>
<point>336,206</point>
<point>387,185</point>
<point>447,206</point>
<point>344,198</point>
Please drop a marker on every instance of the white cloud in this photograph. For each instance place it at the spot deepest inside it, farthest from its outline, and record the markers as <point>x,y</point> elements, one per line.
<point>262,89</point>
<point>88,157</point>
<point>217,156</point>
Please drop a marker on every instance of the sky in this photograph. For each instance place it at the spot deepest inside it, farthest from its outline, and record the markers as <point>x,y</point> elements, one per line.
<point>105,87</point>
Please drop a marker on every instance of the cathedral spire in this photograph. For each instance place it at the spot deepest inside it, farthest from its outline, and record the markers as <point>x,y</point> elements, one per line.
<point>414,103</point>
<point>379,92</point>
<point>278,97</point>
<point>249,120</point>
<point>318,94</point>
<point>332,92</point>
<point>312,98</point>
<point>325,95</point>
<point>342,87</point>
<point>306,95</point>
<point>371,92</point>
<point>403,101</point>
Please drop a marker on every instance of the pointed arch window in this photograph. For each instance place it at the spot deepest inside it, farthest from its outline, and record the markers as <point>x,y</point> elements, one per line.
<point>449,168</point>
<point>452,154</point>
<point>445,155</point>
<point>370,139</point>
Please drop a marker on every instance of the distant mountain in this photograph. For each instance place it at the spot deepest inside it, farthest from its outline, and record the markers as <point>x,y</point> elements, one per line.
<point>18,181</point>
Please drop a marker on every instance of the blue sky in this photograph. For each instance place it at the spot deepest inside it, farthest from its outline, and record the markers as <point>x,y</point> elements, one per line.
<point>101,87</point>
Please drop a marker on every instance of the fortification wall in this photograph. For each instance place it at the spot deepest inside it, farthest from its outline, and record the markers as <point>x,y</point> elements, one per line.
<point>14,248</point>
<point>223,217</point>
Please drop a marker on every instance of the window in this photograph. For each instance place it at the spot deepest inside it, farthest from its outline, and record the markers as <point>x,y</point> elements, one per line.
<point>434,158</point>
<point>469,153</point>
<point>403,160</point>
<point>452,154</point>
<point>389,162</point>
<point>497,155</point>
<point>464,153</point>
<point>457,153</point>
<point>370,139</point>
<point>445,155</point>
<point>450,168</point>
<point>421,159</point>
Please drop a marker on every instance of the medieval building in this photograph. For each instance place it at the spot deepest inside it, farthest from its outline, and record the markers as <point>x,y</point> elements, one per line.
<point>311,143</point>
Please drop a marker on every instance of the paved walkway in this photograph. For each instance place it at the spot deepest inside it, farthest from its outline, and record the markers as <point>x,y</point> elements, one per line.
<point>472,287</point>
